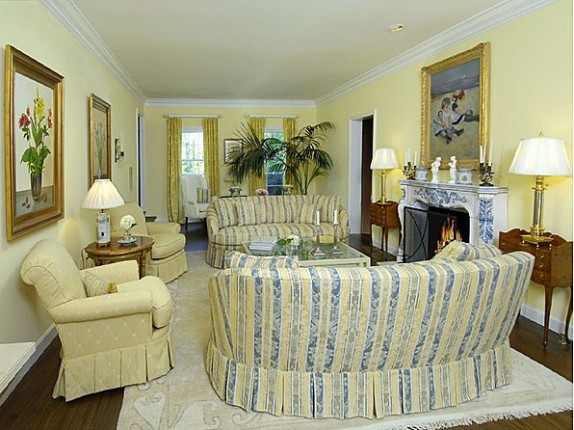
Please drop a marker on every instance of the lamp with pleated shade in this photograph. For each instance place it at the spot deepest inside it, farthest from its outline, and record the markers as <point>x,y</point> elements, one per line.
<point>103,195</point>
<point>540,156</point>
<point>384,159</point>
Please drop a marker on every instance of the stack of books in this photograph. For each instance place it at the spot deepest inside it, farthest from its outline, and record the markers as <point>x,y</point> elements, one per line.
<point>265,243</point>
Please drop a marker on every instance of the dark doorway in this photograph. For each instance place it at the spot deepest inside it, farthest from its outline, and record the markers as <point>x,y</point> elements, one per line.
<point>366,173</point>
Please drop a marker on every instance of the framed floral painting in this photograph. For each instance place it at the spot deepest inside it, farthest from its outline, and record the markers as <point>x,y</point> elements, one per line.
<point>455,103</point>
<point>33,149</point>
<point>100,119</point>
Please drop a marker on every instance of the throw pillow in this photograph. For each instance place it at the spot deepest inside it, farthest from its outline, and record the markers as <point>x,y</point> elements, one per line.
<point>97,286</point>
<point>462,251</point>
<point>306,213</point>
<point>238,260</point>
<point>226,212</point>
<point>203,195</point>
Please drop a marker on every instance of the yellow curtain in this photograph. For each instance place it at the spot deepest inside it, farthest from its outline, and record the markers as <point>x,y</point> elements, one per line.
<point>288,134</point>
<point>211,153</point>
<point>174,207</point>
<point>255,182</point>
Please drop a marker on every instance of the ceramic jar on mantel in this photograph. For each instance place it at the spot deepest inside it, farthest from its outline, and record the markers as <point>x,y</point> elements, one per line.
<point>464,176</point>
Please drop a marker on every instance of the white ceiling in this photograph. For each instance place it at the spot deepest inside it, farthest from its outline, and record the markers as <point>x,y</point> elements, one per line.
<point>272,49</point>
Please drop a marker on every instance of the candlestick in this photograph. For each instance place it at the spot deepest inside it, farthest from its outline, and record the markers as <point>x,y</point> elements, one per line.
<point>318,218</point>
<point>490,153</point>
<point>335,219</point>
<point>480,154</point>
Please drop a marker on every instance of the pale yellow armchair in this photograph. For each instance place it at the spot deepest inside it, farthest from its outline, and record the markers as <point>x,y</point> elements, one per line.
<point>109,340</point>
<point>167,257</point>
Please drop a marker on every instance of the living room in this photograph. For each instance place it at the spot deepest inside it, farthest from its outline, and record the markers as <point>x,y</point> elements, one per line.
<point>530,92</point>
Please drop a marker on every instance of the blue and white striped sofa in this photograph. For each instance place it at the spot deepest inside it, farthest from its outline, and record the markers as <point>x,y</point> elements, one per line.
<point>233,221</point>
<point>364,342</point>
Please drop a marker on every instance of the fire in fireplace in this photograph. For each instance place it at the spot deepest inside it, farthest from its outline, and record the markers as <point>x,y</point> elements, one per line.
<point>427,231</point>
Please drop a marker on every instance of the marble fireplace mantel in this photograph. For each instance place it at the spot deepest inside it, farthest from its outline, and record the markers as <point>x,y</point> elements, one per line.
<point>487,207</point>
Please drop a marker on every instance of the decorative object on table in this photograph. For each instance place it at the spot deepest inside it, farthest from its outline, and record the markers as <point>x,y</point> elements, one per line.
<point>318,253</point>
<point>291,244</point>
<point>422,174</point>
<point>464,176</point>
<point>263,243</point>
<point>100,122</point>
<point>384,159</point>
<point>126,223</point>
<point>452,170</point>
<point>455,106</point>
<point>103,195</point>
<point>540,156</point>
<point>435,166</point>
<point>33,144</point>
<point>287,189</point>
<point>235,191</point>
<point>261,192</point>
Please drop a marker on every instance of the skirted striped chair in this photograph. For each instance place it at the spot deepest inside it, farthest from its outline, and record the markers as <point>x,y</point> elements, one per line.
<point>231,222</point>
<point>364,342</point>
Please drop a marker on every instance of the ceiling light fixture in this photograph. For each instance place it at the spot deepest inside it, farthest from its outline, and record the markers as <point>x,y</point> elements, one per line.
<point>395,28</point>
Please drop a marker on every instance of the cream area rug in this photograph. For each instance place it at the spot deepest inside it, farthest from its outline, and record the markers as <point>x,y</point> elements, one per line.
<point>184,399</point>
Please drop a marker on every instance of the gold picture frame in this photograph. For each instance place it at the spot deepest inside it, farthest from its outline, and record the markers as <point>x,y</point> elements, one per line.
<point>33,122</point>
<point>455,108</point>
<point>100,123</point>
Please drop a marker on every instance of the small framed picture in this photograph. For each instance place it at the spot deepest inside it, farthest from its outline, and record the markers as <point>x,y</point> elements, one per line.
<point>230,147</point>
<point>100,121</point>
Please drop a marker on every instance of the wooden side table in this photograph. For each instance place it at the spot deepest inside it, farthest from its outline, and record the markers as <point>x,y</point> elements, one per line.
<point>386,216</point>
<point>552,268</point>
<point>115,252</point>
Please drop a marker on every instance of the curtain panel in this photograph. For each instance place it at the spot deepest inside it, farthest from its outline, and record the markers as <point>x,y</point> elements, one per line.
<point>288,134</point>
<point>255,182</point>
<point>174,205</point>
<point>211,154</point>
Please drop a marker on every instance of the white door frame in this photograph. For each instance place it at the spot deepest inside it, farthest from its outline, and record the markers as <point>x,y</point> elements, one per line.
<point>355,155</point>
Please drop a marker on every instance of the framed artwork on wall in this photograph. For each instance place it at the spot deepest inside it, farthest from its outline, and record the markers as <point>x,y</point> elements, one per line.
<point>33,144</point>
<point>100,119</point>
<point>229,147</point>
<point>455,108</point>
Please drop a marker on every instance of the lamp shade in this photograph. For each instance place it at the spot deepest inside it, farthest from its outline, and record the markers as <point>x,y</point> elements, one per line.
<point>385,158</point>
<point>103,195</point>
<point>541,156</point>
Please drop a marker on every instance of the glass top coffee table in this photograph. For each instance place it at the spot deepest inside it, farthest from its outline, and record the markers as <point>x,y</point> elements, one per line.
<point>329,254</point>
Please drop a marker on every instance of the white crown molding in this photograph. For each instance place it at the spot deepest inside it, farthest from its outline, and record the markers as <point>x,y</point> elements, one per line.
<point>464,30</point>
<point>69,14</point>
<point>232,103</point>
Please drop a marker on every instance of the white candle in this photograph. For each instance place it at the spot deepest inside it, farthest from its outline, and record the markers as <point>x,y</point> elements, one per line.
<point>318,218</point>
<point>481,154</point>
<point>409,156</point>
<point>335,219</point>
<point>416,160</point>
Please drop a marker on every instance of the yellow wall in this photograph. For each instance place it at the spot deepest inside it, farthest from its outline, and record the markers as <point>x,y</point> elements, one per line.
<point>29,27</point>
<point>531,91</point>
<point>230,121</point>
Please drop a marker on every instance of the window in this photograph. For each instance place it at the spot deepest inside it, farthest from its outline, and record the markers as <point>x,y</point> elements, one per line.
<point>275,177</point>
<point>192,151</point>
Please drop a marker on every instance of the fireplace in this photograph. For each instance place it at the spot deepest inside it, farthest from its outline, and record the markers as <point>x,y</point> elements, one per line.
<point>427,231</point>
<point>485,207</point>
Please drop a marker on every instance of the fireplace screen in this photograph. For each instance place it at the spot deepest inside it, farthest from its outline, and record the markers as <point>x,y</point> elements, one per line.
<point>427,231</point>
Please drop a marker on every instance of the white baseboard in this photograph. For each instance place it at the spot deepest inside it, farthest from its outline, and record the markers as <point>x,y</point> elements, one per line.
<point>41,345</point>
<point>392,250</point>
<point>556,325</point>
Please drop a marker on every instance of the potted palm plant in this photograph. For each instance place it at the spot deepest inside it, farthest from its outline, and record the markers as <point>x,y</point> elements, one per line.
<point>301,158</point>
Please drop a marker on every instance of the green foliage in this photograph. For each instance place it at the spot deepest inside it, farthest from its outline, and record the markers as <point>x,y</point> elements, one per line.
<point>302,157</point>
<point>35,156</point>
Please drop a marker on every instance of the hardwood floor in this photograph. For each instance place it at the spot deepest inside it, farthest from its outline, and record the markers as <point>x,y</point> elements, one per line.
<point>31,406</point>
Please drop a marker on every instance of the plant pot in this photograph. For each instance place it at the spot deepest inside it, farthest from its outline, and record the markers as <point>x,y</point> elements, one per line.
<point>36,185</point>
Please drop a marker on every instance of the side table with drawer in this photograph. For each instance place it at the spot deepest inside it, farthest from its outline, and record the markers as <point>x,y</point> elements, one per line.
<point>385,215</point>
<point>552,269</point>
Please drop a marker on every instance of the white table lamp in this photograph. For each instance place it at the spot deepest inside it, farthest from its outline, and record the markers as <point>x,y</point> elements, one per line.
<point>384,159</point>
<point>103,195</point>
<point>540,156</point>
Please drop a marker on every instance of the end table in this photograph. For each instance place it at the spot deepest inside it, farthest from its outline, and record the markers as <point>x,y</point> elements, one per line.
<point>116,252</point>
<point>552,269</point>
<point>385,215</point>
